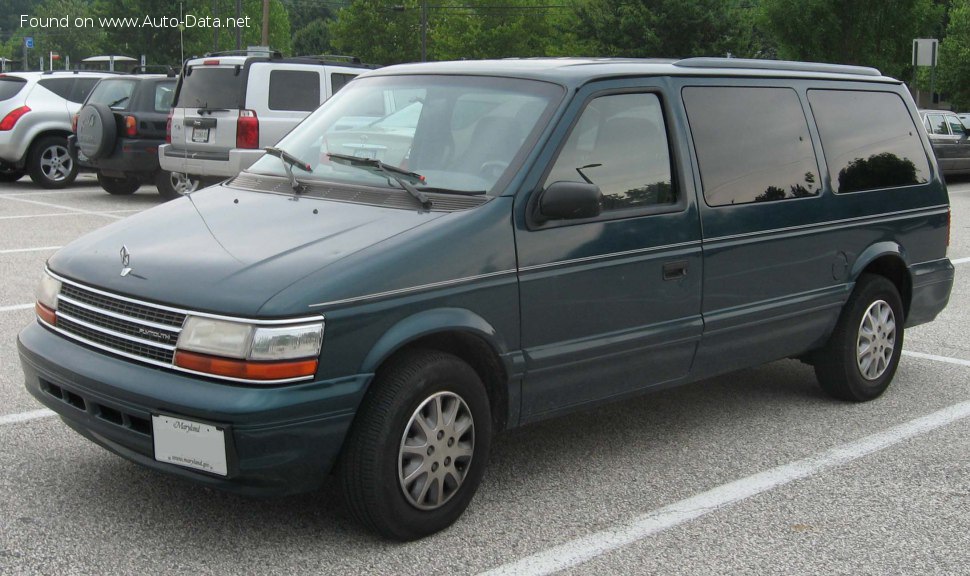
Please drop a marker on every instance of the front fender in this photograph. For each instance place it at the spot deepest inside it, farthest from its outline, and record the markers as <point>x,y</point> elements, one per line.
<point>431,322</point>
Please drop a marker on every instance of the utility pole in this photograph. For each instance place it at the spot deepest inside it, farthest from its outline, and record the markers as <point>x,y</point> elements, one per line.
<point>265,23</point>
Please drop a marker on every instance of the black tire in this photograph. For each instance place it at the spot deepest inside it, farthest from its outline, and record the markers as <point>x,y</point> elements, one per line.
<point>842,371</point>
<point>374,456</point>
<point>96,131</point>
<point>118,186</point>
<point>172,185</point>
<point>10,174</point>
<point>50,164</point>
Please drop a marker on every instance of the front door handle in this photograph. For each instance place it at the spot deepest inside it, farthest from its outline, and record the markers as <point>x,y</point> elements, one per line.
<point>675,270</point>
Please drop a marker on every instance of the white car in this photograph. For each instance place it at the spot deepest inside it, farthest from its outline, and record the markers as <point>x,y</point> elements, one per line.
<point>35,121</point>
<point>230,106</point>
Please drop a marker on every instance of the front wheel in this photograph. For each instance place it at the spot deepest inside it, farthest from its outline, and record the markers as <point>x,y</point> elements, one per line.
<point>118,186</point>
<point>416,452</point>
<point>860,359</point>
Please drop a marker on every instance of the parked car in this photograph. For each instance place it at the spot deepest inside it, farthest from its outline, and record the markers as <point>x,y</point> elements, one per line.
<point>950,140</point>
<point>119,129</point>
<point>35,121</point>
<point>965,120</point>
<point>230,106</point>
<point>556,234</point>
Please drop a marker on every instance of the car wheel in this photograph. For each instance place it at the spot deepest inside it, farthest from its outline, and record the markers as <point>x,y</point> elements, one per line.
<point>417,449</point>
<point>50,164</point>
<point>118,186</point>
<point>10,174</point>
<point>173,185</point>
<point>860,358</point>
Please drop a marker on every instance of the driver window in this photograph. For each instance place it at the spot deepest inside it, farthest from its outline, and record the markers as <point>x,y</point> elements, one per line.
<point>956,127</point>
<point>620,144</point>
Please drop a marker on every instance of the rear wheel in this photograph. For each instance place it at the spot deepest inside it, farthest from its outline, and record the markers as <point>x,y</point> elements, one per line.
<point>118,186</point>
<point>173,185</point>
<point>860,359</point>
<point>416,452</point>
<point>50,164</point>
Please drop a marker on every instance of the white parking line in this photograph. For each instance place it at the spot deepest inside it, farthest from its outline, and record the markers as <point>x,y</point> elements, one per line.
<point>960,261</point>
<point>16,307</point>
<point>26,416</point>
<point>17,250</point>
<point>944,359</point>
<point>581,550</point>
<point>51,214</point>
<point>58,206</point>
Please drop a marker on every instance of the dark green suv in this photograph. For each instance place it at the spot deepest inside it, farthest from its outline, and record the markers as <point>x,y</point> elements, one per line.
<point>442,251</point>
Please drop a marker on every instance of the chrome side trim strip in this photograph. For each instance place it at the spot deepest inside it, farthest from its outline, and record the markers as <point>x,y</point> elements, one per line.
<point>612,255</point>
<point>103,330</point>
<point>420,288</point>
<point>314,318</point>
<point>132,319</point>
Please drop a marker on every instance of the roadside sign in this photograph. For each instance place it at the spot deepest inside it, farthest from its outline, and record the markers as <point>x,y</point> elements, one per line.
<point>925,51</point>
<point>28,41</point>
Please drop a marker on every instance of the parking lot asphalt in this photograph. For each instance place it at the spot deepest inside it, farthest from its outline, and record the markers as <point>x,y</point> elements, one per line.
<point>756,472</point>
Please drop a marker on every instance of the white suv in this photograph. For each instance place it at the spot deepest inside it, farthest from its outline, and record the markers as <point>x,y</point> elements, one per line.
<point>35,121</point>
<point>229,106</point>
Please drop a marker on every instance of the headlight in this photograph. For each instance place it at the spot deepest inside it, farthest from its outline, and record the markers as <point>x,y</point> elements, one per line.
<point>46,305</point>
<point>249,352</point>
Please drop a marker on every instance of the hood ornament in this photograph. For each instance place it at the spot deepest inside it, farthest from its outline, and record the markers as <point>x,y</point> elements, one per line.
<point>125,260</point>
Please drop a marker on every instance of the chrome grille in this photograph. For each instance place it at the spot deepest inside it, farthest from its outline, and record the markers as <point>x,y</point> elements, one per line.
<point>133,329</point>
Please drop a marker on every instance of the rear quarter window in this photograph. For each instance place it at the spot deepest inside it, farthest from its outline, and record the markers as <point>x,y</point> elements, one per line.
<point>752,144</point>
<point>60,86</point>
<point>10,86</point>
<point>869,139</point>
<point>338,80</point>
<point>294,90</point>
<point>164,96</point>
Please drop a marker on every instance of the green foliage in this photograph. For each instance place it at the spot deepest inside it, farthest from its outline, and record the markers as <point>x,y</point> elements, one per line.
<point>863,32</point>
<point>953,76</point>
<point>314,38</point>
<point>375,32</point>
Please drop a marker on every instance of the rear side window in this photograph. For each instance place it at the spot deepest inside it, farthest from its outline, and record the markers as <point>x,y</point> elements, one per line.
<point>869,140</point>
<point>82,87</point>
<point>338,81</point>
<point>10,86</point>
<point>956,128</point>
<point>60,86</point>
<point>211,87</point>
<point>936,125</point>
<point>115,94</point>
<point>294,90</point>
<point>164,96</point>
<point>752,144</point>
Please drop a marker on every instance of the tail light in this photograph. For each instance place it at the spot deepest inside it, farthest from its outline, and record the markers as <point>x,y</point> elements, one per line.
<point>74,123</point>
<point>10,119</point>
<point>131,126</point>
<point>168,129</point>
<point>247,130</point>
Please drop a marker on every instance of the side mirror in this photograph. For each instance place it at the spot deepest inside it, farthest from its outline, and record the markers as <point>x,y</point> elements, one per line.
<point>570,201</point>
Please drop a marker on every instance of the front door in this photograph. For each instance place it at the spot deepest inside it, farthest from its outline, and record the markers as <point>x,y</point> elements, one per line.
<point>610,304</point>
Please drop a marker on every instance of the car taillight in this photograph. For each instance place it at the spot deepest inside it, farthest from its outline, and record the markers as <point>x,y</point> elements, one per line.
<point>247,130</point>
<point>10,119</point>
<point>74,123</point>
<point>168,129</point>
<point>131,126</point>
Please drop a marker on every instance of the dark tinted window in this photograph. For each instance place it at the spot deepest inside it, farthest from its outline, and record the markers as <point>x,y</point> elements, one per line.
<point>10,86</point>
<point>60,86</point>
<point>620,144</point>
<point>211,87</point>
<point>82,87</point>
<point>294,90</point>
<point>115,94</point>
<point>869,139</point>
<point>752,144</point>
<point>338,81</point>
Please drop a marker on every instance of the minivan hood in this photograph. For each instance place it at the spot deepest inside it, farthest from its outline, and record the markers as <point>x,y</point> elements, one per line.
<point>225,250</point>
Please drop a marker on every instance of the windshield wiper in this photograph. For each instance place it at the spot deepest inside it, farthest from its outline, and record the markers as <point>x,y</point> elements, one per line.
<point>402,177</point>
<point>118,101</point>
<point>289,161</point>
<point>205,108</point>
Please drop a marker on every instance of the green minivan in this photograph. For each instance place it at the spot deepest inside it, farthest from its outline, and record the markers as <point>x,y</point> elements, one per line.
<point>442,251</point>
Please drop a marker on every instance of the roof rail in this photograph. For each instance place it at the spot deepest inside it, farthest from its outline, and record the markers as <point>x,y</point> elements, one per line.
<point>167,70</point>
<point>333,58</point>
<point>266,53</point>
<point>786,65</point>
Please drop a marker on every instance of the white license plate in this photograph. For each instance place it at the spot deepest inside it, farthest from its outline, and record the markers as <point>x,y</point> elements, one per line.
<point>200,134</point>
<point>189,444</point>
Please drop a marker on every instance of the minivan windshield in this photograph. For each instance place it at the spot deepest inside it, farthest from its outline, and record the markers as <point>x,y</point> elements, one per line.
<point>211,87</point>
<point>460,133</point>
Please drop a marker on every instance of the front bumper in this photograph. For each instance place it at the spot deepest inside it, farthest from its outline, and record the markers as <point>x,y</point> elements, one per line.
<point>279,440</point>
<point>205,164</point>
<point>131,156</point>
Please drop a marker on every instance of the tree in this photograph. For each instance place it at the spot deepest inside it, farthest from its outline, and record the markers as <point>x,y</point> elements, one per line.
<point>314,38</point>
<point>863,32</point>
<point>954,68</point>
<point>374,31</point>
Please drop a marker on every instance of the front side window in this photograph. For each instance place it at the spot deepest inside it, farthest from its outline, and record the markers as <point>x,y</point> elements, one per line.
<point>752,144</point>
<point>620,144</point>
<point>459,133</point>
<point>870,139</point>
